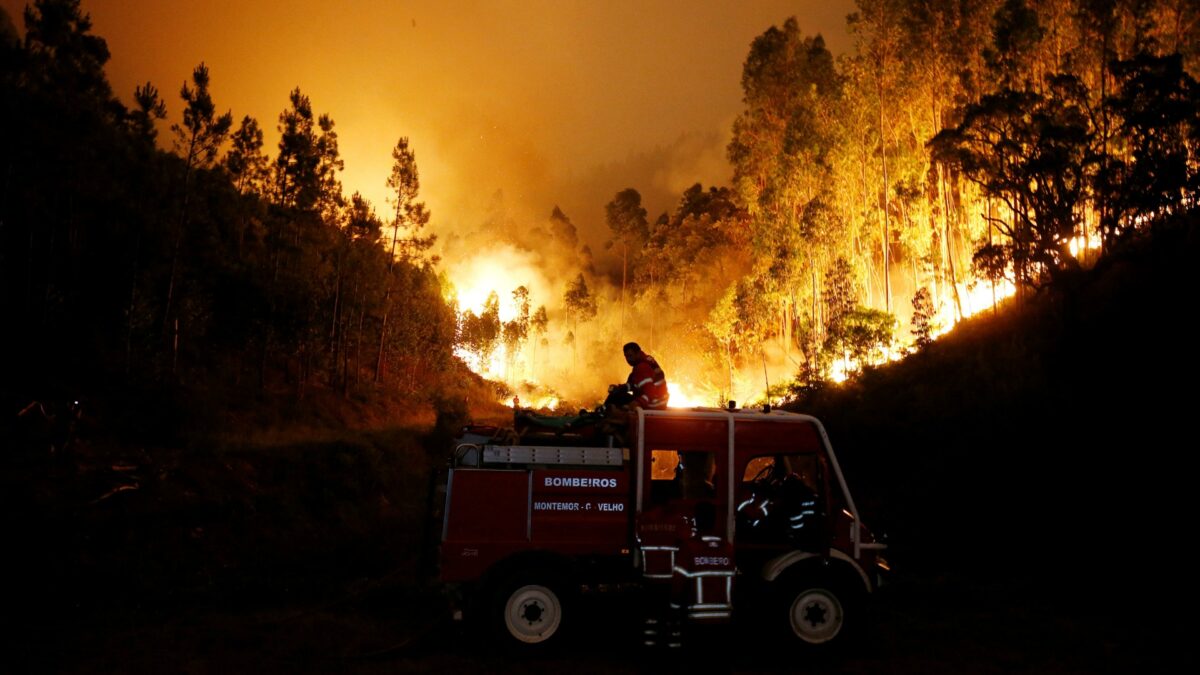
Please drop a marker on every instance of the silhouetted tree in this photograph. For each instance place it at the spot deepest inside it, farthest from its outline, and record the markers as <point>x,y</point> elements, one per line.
<point>1158,104</point>
<point>922,318</point>
<point>409,214</point>
<point>626,219</point>
<point>1034,153</point>
<point>150,108</point>
<point>581,306</point>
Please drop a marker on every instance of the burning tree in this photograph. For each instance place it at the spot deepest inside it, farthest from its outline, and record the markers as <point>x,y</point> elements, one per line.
<point>516,332</point>
<point>480,334</point>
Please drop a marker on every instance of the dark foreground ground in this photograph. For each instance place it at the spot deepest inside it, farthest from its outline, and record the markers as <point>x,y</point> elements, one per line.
<point>308,557</point>
<point>920,625</point>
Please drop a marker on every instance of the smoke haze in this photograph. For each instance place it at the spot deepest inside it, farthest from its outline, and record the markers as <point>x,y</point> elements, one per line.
<point>511,108</point>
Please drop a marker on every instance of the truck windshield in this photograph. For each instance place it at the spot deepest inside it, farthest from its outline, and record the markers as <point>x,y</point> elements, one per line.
<point>802,465</point>
<point>682,475</point>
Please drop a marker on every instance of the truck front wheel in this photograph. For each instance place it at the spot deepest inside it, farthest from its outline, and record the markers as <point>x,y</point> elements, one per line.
<point>816,614</point>
<point>530,612</point>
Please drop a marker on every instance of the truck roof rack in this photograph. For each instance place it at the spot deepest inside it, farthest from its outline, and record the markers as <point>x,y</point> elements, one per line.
<point>559,456</point>
<point>486,455</point>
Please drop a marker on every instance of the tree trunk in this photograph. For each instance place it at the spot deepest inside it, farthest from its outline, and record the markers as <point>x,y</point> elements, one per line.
<point>362,317</point>
<point>942,186</point>
<point>334,333</point>
<point>131,309</point>
<point>382,334</point>
<point>262,364</point>
<point>729,365</point>
<point>183,217</point>
<point>989,232</point>
<point>624,267</point>
<point>887,278</point>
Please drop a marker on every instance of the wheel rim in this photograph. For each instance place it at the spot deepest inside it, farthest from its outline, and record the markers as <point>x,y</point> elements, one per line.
<point>532,613</point>
<point>816,616</point>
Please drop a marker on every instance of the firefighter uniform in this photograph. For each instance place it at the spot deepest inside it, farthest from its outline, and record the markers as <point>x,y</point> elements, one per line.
<point>648,383</point>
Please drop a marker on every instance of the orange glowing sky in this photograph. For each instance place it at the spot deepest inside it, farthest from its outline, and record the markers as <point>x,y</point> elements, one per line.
<point>551,102</point>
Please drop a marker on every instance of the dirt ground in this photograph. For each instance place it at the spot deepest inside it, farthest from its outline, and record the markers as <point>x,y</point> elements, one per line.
<point>303,558</point>
<point>917,625</point>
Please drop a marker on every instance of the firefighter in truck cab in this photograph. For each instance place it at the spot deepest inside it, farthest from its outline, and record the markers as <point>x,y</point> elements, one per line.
<point>647,382</point>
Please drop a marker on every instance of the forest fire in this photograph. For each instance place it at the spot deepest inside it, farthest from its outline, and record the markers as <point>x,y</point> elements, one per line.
<point>491,298</point>
<point>473,284</point>
<point>686,395</point>
<point>241,334</point>
<point>974,298</point>
<point>799,269</point>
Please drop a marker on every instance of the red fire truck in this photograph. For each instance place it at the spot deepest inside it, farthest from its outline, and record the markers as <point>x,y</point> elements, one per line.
<point>709,513</point>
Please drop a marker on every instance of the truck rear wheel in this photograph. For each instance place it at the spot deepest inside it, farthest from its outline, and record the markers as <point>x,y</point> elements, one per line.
<point>529,612</point>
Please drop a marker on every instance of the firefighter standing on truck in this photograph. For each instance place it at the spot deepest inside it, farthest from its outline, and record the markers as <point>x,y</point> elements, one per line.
<point>647,380</point>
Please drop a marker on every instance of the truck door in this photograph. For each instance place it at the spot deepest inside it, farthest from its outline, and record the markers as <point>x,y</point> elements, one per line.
<point>683,526</point>
<point>782,490</point>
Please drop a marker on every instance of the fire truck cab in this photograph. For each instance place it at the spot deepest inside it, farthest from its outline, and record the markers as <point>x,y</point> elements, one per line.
<point>711,514</point>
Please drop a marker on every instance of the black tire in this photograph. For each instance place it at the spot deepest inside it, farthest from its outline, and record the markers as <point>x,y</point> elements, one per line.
<point>529,612</point>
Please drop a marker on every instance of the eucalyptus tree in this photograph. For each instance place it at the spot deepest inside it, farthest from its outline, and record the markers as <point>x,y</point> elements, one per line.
<point>515,332</point>
<point>876,26</point>
<point>782,149</point>
<point>939,38</point>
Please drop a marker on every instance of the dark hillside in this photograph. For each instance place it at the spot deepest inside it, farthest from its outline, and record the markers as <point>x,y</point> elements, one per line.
<point>172,499</point>
<point>1046,445</point>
